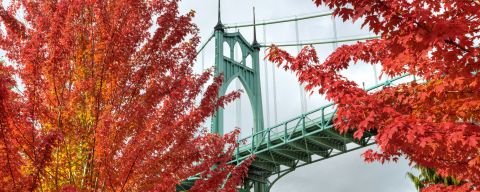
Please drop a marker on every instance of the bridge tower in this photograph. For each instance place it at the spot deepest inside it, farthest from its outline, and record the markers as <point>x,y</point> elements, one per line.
<point>249,76</point>
<point>231,69</point>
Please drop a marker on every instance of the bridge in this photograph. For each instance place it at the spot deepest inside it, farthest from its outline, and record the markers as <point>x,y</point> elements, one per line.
<point>280,149</point>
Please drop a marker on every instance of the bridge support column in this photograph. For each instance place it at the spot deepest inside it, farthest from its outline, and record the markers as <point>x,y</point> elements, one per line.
<point>232,68</point>
<point>260,187</point>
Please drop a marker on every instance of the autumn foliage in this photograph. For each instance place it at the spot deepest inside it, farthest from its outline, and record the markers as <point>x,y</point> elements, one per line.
<point>99,95</point>
<point>434,123</point>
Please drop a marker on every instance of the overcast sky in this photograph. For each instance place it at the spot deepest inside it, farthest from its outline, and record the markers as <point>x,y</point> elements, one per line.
<point>342,173</point>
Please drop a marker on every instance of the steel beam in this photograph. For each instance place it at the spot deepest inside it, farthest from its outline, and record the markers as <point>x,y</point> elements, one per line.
<point>265,166</point>
<point>325,143</point>
<point>257,178</point>
<point>308,149</point>
<point>292,155</point>
<point>338,136</point>
<point>278,161</point>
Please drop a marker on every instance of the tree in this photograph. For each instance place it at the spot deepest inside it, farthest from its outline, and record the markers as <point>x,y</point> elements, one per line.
<point>106,100</point>
<point>434,124</point>
<point>428,177</point>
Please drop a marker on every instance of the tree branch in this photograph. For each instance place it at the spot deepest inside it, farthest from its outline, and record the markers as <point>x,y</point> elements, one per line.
<point>456,45</point>
<point>129,172</point>
<point>12,24</point>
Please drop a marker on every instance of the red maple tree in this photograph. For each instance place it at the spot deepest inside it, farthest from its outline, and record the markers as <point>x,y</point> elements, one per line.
<point>434,124</point>
<point>100,96</point>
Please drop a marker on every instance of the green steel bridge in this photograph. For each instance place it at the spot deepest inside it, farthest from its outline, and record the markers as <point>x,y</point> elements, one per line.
<point>308,138</point>
<point>303,140</point>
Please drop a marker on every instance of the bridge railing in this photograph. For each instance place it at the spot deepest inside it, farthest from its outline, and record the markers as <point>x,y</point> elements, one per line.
<point>321,117</point>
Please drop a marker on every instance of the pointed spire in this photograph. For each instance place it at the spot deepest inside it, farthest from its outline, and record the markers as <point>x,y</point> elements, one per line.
<point>255,44</point>
<point>219,26</point>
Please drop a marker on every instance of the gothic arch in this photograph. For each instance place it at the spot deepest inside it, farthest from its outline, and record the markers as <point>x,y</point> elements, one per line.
<point>248,61</point>
<point>231,68</point>
<point>248,90</point>
<point>226,50</point>
<point>237,53</point>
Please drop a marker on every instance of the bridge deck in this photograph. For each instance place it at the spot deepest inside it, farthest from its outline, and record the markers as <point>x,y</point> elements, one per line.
<point>303,140</point>
<point>300,141</point>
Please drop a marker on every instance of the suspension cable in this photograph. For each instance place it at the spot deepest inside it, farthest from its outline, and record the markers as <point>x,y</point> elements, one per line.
<point>205,44</point>
<point>320,42</point>
<point>277,21</point>
<point>303,95</point>
<point>267,85</point>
